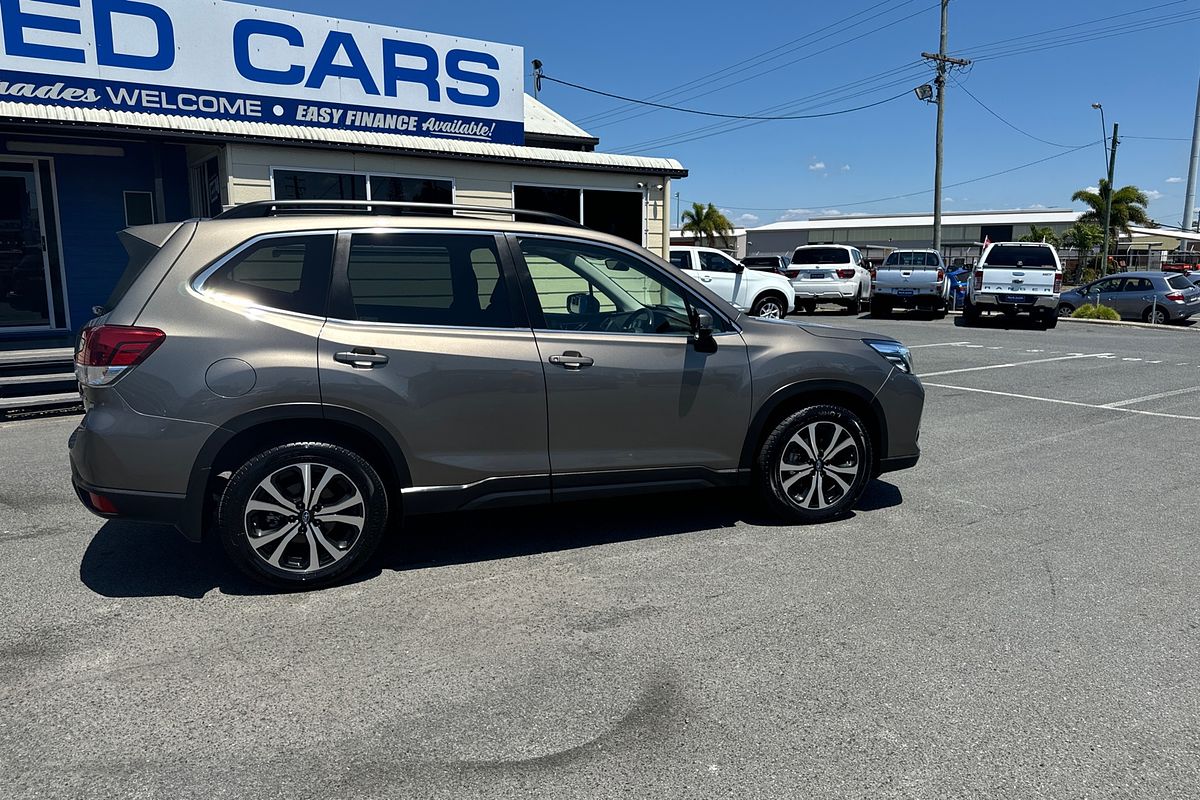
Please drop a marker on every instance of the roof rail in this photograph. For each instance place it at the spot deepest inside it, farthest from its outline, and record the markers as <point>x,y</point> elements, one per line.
<point>274,208</point>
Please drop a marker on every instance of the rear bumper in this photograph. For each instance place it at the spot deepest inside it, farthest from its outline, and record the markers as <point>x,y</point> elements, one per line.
<point>831,291</point>
<point>151,507</point>
<point>993,302</point>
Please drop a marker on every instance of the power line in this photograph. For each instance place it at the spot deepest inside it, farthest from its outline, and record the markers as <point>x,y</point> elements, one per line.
<point>985,107</point>
<point>753,61</point>
<point>925,191</point>
<point>709,90</point>
<point>716,114</point>
<point>1159,138</point>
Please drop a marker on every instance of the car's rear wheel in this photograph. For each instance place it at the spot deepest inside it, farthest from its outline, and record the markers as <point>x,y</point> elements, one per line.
<point>769,306</point>
<point>815,464</point>
<point>303,515</point>
<point>1157,315</point>
<point>880,308</point>
<point>810,307</point>
<point>855,305</point>
<point>970,312</point>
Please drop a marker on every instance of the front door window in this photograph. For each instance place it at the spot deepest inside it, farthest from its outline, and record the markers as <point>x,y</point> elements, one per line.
<point>24,276</point>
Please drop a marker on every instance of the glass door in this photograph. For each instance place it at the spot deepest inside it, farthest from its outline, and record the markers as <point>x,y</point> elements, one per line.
<point>24,267</point>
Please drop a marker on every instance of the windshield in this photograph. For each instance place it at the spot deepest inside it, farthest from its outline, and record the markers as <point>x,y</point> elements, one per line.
<point>1016,256</point>
<point>821,255</point>
<point>903,259</point>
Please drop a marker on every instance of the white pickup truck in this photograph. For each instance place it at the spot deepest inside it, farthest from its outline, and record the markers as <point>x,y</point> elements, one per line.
<point>910,279</point>
<point>1016,278</point>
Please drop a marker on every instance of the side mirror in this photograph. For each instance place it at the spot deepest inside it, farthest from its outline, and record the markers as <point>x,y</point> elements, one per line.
<point>581,304</point>
<point>704,325</point>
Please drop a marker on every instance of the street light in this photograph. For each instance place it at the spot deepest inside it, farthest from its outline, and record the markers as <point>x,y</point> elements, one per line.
<point>1111,163</point>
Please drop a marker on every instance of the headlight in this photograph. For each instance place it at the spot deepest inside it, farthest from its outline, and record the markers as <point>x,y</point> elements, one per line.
<point>894,352</point>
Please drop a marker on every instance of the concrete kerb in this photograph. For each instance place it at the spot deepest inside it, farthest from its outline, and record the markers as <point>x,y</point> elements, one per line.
<point>1121,323</point>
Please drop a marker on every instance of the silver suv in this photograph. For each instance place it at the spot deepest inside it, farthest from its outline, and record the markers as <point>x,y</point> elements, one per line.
<point>295,376</point>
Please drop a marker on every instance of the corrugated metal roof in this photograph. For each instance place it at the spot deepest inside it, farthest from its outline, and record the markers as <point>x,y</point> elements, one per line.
<point>540,118</point>
<point>1166,233</point>
<point>26,112</point>
<point>1047,217</point>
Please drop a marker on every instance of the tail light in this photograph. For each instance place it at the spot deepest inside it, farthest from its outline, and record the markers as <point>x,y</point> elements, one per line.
<point>792,273</point>
<point>106,352</point>
<point>941,275</point>
<point>1175,297</point>
<point>874,277</point>
<point>1058,283</point>
<point>979,281</point>
<point>845,274</point>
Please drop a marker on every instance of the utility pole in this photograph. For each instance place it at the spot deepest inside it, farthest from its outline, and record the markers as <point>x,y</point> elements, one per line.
<point>944,62</point>
<point>1189,205</point>
<point>1112,168</point>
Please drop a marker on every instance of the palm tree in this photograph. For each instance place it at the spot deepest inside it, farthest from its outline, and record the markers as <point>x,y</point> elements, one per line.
<point>1084,237</point>
<point>1037,234</point>
<point>707,224</point>
<point>1128,208</point>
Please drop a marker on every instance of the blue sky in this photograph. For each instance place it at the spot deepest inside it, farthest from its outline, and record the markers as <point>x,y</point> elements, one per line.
<point>1146,80</point>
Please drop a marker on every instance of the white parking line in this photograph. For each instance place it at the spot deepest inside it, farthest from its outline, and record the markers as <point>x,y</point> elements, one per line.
<point>1149,397</point>
<point>1015,364</point>
<point>1062,402</point>
<point>939,344</point>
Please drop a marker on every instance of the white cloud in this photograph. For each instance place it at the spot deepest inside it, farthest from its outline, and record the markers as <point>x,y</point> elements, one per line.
<point>1093,189</point>
<point>745,221</point>
<point>831,212</point>
<point>816,166</point>
<point>1154,194</point>
<point>1174,180</point>
<point>845,167</point>
<point>947,199</point>
<point>795,214</point>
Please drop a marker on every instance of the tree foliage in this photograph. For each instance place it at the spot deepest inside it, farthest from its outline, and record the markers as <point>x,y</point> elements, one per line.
<point>707,224</point>
<point>1037,234</point>
<point>1128,207</point>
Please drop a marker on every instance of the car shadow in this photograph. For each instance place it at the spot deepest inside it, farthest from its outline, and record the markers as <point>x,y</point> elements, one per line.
<point>133,560</point>
<point>1001,322</point>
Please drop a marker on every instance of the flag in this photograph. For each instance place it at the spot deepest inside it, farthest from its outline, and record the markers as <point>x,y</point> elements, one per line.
<point>987,240</point>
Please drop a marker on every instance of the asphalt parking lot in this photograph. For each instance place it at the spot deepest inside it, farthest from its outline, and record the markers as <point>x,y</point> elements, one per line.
<point>1015,618</point>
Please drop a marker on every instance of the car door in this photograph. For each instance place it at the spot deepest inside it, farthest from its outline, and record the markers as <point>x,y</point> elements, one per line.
<point>1106,292</point>
<point>725,277</point>
<point>628,386</point>
<point>428,337</point>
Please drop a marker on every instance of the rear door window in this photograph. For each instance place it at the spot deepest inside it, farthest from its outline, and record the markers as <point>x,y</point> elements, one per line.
<point>428,279</point>
<point>1137,285</point>
<point>681,259</point>
<point>814,256</point>
<point>288,273</point>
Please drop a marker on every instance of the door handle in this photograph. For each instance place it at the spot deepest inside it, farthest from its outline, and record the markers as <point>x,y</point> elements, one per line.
<point>361,358</point>
<point>572,361</point>
<point>706,279</point>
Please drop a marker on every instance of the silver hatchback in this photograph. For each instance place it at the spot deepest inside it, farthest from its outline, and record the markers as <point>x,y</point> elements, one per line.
<point>1158,297</point>
<point>296,378</point>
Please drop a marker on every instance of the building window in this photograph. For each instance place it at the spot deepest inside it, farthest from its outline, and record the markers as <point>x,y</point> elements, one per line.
<point>291,184</point>
<point>619,213</point>
<point>139,209</point>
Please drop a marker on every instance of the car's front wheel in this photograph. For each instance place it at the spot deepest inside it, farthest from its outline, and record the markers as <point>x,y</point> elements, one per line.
<point>769,306</point>
<point>815,464</point>
<point>1065,309</point>
<point>303,515</point>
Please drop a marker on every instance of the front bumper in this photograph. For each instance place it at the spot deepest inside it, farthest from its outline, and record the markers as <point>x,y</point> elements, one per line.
<point>902,403</point>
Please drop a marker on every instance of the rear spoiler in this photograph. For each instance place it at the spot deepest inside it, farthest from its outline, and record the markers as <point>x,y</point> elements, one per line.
<point>142,244</point>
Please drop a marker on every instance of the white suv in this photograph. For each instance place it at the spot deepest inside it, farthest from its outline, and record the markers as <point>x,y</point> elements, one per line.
<point>830,273</point>
<point>761,294</point>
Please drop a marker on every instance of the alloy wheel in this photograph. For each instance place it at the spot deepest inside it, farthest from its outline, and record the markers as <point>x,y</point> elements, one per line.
<point>819,465</point>
<point>304,517</point>
<point>770,309</point>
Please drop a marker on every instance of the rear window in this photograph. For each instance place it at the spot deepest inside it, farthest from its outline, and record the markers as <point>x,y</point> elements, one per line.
<point>821,255</point>
<point>1014,256</point>
<point>1180,282</point>
<point>289,273</point>
<point>761,261</point>
<point>911,260</point>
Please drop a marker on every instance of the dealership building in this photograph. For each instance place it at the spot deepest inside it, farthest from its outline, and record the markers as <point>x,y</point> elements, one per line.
<point>114,114</point>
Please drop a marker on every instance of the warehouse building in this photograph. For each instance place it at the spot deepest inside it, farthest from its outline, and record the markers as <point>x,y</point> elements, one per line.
<point>120,114</point>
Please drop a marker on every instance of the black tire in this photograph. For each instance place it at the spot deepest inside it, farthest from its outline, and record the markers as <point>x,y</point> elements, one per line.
<point>970,313</point>
<point>809,308</point>
<point>788,449</point>
<point>769,301</point>
<point>1065,309</point>
<point>344,477</point>
<point>1157,316</point>
<point>855,306</point>
<point>1049,320</point>
<point>880,308</point>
